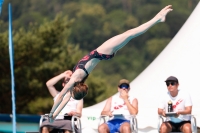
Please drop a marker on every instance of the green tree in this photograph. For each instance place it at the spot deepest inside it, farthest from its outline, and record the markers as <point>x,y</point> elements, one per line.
<point>39,52</point>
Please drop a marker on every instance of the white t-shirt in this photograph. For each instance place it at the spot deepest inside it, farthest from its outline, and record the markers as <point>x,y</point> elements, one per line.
<point>179,102</point>
<point>119,107</point>
<point>70,106</point>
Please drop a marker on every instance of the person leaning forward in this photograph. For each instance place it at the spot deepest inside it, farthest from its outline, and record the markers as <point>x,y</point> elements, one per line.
<point>181,105</point>
<point>121,103</point>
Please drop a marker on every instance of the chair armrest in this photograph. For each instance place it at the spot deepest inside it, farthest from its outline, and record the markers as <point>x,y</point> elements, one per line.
<point>104,119</point>
<point>73,120</point>
<point>133,124</point>
<point>160,121</point>
<point>42,118</point>
<point>193,124</point>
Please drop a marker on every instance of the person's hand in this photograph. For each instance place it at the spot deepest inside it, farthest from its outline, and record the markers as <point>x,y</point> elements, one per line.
<point>68,73</point>
<point>124,94</point>
<point>161,16</point>
<point>71,113</point>
<point>110,113</point>
<point>177,114</point>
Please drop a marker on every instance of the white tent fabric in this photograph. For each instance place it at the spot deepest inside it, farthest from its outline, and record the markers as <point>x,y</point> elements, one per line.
<point>180,58</point>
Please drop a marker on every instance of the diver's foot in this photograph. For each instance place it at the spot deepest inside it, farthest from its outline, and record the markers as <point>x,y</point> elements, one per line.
<point>163,13</point>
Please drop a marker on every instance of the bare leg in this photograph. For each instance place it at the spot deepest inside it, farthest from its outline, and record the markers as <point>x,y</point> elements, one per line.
<point>103,128</point>
<point>165,127</point>
<point>117,42</point>
<point>45,130</point>
<point>125,128</point>
<point>186,128</point>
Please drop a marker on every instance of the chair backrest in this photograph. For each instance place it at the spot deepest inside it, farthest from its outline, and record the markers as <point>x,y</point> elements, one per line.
<point>161,119</point>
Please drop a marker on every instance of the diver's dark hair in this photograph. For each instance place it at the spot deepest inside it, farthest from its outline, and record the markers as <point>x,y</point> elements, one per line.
<point>79,91</point>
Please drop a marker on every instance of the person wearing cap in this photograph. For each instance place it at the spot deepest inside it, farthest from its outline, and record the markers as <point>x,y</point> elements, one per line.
<point>181,106</point>
<point>121,103</point>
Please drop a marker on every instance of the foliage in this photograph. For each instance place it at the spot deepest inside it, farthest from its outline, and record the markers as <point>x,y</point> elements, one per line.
<point>33,61</point>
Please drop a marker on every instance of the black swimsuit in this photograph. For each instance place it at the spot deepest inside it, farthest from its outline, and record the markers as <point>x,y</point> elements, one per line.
<point>88,57</point>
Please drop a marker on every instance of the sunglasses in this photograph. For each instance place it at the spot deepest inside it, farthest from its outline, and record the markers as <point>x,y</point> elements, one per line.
<point>172,83</point>
<point>124,86</point>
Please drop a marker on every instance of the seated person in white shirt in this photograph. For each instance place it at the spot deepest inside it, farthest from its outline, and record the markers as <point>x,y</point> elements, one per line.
<point>181,105</point>
<point>74,107</point>
<point>120,103</point>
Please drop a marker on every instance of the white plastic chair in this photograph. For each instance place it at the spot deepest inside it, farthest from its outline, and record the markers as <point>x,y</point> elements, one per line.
<point>132,118</point>
<point>161,119</point>
<point>75,121</point>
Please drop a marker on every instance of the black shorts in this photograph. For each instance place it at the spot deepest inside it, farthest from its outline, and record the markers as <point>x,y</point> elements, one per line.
<point>176,126</point>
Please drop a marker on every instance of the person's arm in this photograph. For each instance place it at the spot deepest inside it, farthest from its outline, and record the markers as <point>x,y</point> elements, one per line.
<point>161,112</point>
<point>162,104</point>
<point>133,106</point>
<point>188,105</point>
<point>188,110</point>
<point>107,108</point>
<point>78,111</point>
<point>50,83</point>
<point>79,108</point>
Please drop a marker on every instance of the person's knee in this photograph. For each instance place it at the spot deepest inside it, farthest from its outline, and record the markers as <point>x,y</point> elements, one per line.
<point>187,128</point>
<point>164,128</point>
<point>103,128</point>
<point>125,128</point>
<point>45,130</point>
<point>66,131</point>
